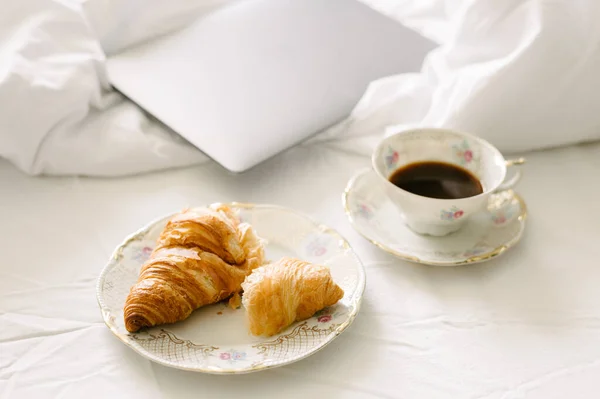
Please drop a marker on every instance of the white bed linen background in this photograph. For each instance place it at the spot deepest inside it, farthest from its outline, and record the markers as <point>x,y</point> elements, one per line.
<point>522,74</point>
<point>525,325</point>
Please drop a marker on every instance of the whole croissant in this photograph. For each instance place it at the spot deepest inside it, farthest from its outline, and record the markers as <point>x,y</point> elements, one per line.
<point>202,256</point>
<point>286,291</point>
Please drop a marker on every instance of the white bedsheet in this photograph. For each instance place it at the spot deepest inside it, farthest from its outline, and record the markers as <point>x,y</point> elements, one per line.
<point>525,325</point>
<point>522,74</point>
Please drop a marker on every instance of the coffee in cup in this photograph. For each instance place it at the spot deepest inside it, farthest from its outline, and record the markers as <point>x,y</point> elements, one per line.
<point>438,177</point>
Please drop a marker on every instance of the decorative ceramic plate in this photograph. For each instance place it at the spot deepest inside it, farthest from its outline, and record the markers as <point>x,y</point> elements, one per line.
<point>215,338</point>
<point>485,235</point>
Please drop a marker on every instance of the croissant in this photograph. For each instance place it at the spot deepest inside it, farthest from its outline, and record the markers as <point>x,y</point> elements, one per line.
<point>202,257</point>
<point>286,291</point>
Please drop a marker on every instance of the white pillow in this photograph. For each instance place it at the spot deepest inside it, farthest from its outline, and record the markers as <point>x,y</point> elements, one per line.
<point>523,75</point>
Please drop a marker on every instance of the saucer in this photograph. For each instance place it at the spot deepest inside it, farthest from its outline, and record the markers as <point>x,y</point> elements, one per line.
<point>484,236</point>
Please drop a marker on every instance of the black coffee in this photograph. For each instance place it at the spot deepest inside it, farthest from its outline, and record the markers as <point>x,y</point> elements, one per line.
<point>437,180</point>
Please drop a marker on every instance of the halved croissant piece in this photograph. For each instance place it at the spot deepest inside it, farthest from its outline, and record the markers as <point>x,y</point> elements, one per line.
<point>202,257</point>
<point>286,291</point>
<point>207,229</point>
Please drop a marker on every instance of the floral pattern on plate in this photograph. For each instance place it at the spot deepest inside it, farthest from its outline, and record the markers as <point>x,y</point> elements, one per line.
<point>215,339</point>
<point>504,215</point>
<point>232,355</point>
<point>477,250</point>
<point>364,211</point>
<point>318,245</point>
<point>329,313</point>
<point>143,254</point>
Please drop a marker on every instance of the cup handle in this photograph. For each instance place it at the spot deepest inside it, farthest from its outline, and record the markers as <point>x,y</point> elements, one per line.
<point>511,182</point>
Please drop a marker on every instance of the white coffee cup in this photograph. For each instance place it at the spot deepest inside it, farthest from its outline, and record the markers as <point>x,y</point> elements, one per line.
<point>432,216</point>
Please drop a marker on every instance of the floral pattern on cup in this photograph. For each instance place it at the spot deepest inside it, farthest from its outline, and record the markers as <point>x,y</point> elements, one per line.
<point>232,356</point>
<point>503,215</point>
<point>451,214</point>
<point>463,152</point>
<point>391,159</point>
<point>325,318</point>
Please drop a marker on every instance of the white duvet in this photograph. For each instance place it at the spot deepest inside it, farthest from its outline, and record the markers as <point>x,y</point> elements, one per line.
<point>523,74</point>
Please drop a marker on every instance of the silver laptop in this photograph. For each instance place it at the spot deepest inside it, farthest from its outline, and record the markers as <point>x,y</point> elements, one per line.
<point>259,76</point>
